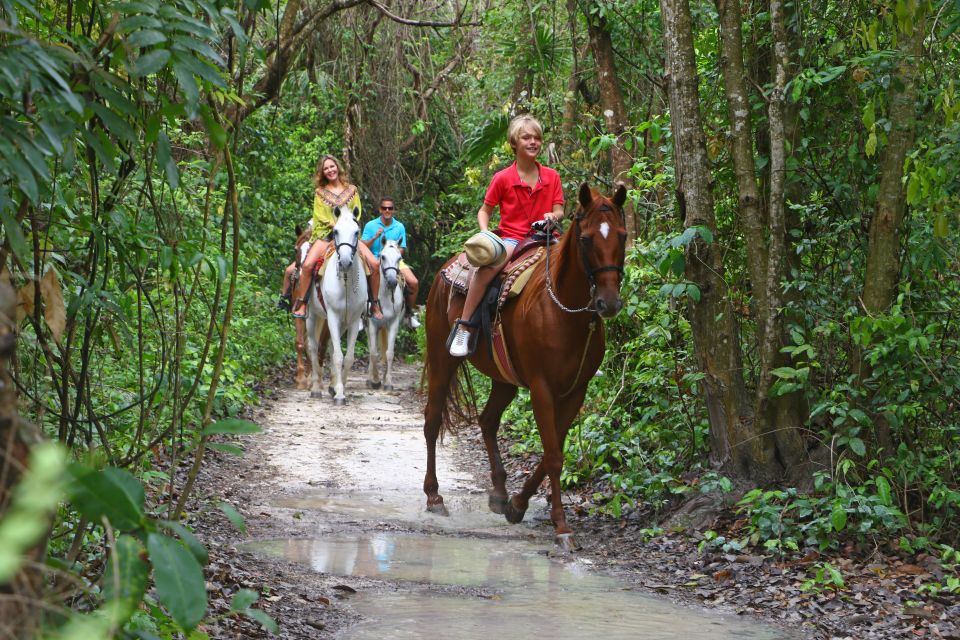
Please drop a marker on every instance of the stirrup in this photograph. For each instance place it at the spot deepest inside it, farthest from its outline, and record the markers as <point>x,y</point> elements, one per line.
<point>462,343</point>
<point>300,315</point>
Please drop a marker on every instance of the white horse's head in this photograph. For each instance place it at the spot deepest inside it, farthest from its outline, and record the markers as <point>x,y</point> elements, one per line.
<point>346,234</point>
<point>390,257</point>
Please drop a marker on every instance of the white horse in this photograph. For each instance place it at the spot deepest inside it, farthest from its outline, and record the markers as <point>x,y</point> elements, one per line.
<point>344,289</point>
<point>382,334</point>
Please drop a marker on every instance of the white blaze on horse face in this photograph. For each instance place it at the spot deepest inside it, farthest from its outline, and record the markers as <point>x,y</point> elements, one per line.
<point>604,229</point>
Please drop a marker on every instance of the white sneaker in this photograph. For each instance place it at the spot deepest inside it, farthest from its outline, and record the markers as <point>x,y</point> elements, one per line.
<point>412,321</point>
<point>460,346</point>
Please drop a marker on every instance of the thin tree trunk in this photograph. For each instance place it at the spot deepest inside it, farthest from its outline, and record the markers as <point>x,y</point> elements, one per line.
<point>19,613</point>
<point>614,109</point>
<point>883,255</point>
<point>883,252</point>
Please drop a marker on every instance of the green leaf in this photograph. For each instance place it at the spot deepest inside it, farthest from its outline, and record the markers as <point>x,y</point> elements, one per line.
<point>857,446</point>
<point>913,189</point>
<point>232,449</point>
<point>188,84</point>
<point>14,233</point>
<point>146,38</point>
<point>125,580</point>
<point>941,226</point>
<point>883,490</point>
<point>871,147</point>
<point>838,517</point>
<point>111,493</point>
<point>231,425</point>
<point>233,516</point>
<point>265,621</point>
<point>179,580</point>
<point>193,543</point>
<point>693,291</point>
<point>150,63</point>
<point>787,373</point>
<point>166,160</point>
<point>114,123</point>
<point>243,599</point>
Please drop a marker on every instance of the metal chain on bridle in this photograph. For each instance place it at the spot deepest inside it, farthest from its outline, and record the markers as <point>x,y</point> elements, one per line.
<point>548,226</point>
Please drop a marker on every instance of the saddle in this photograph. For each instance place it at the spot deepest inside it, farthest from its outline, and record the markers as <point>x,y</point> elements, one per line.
<point>514,276</point>
<point>506,286</point>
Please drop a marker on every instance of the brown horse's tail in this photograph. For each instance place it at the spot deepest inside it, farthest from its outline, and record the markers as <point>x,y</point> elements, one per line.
<point>460,400</point>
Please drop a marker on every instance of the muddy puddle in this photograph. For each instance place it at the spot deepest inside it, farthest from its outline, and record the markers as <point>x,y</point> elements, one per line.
<point>500,588</point>
<point>352,477</point>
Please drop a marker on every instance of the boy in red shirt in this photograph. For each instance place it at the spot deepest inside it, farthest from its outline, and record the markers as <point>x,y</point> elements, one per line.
<point>526,192</point>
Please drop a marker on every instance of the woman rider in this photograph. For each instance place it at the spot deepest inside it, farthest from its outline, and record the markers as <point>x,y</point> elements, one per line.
<point>333,190</point>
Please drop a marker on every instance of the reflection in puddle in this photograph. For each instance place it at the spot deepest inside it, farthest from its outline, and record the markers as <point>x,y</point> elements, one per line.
<point>536,596</point>
<point>468,512</point>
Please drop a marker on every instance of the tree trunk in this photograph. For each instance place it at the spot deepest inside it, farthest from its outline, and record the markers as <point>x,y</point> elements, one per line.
<point>738,445</point>
<point>614,109</point>
<point>19,612</point>
<point>883,252</point>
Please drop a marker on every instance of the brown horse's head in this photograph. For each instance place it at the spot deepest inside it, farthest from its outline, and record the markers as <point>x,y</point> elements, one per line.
<point>601,240</point>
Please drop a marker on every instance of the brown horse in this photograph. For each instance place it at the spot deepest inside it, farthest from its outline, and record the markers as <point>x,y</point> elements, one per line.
<point>555,338</point>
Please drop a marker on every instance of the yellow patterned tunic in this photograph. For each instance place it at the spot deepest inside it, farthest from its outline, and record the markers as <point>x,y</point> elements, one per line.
<point>323,203</point>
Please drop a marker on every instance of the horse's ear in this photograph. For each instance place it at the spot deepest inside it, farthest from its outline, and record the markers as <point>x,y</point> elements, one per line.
<point>586,195</point>
<point>620,196</point>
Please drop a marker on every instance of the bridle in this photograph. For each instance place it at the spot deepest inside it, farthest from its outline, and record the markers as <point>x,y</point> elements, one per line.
<point>585,263</point>
<point>352,245</point>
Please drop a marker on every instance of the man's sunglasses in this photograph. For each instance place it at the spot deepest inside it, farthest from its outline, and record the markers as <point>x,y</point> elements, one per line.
<point>388,208</point>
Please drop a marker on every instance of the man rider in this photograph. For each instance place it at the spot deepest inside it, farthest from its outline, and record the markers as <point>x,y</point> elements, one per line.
<point>384,228</point>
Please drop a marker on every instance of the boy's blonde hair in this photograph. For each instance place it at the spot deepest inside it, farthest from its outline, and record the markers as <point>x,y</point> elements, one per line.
<point>520,123</point>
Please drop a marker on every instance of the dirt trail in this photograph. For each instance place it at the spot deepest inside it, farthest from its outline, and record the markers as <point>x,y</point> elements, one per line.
<point>340,543</point>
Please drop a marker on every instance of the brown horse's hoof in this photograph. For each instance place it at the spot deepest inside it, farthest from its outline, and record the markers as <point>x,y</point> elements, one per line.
<point>566,542</point>
<point>438,508</point>
<point>497,503</point>
<point>512,514</point>
<point>373,385</point>
<point>316,394</point>
<point>339,402</point>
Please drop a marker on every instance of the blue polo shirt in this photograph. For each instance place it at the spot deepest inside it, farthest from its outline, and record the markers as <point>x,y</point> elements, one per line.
<point>394,231</point>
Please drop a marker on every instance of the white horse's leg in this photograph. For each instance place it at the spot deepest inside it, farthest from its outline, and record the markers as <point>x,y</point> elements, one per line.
<point>391,341</point>
<point>336,359</point>
<point>353,330</point>
<point>373,369</point>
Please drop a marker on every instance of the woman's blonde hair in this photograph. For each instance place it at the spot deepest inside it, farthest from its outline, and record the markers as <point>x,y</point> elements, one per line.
<point>520,123</point>
<point>320,180</point>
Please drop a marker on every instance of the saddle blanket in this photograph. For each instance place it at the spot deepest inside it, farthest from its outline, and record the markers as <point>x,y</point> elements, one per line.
<point>459,274</point>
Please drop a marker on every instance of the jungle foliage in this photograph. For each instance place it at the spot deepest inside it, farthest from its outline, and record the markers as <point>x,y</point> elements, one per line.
<point>155,157</point>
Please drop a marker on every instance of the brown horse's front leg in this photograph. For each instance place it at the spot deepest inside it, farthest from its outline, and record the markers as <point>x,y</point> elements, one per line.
<point>303,362</point>
<point>551,465</point>
<point>501,395</point>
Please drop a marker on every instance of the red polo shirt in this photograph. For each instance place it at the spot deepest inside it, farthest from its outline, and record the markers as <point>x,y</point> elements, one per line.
<point>519,204</point>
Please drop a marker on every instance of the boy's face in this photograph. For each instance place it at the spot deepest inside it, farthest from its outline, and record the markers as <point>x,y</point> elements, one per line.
<point>528,144</point>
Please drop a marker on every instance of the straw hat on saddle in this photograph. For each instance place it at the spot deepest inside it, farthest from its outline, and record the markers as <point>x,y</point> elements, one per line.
<point>485,249</point>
